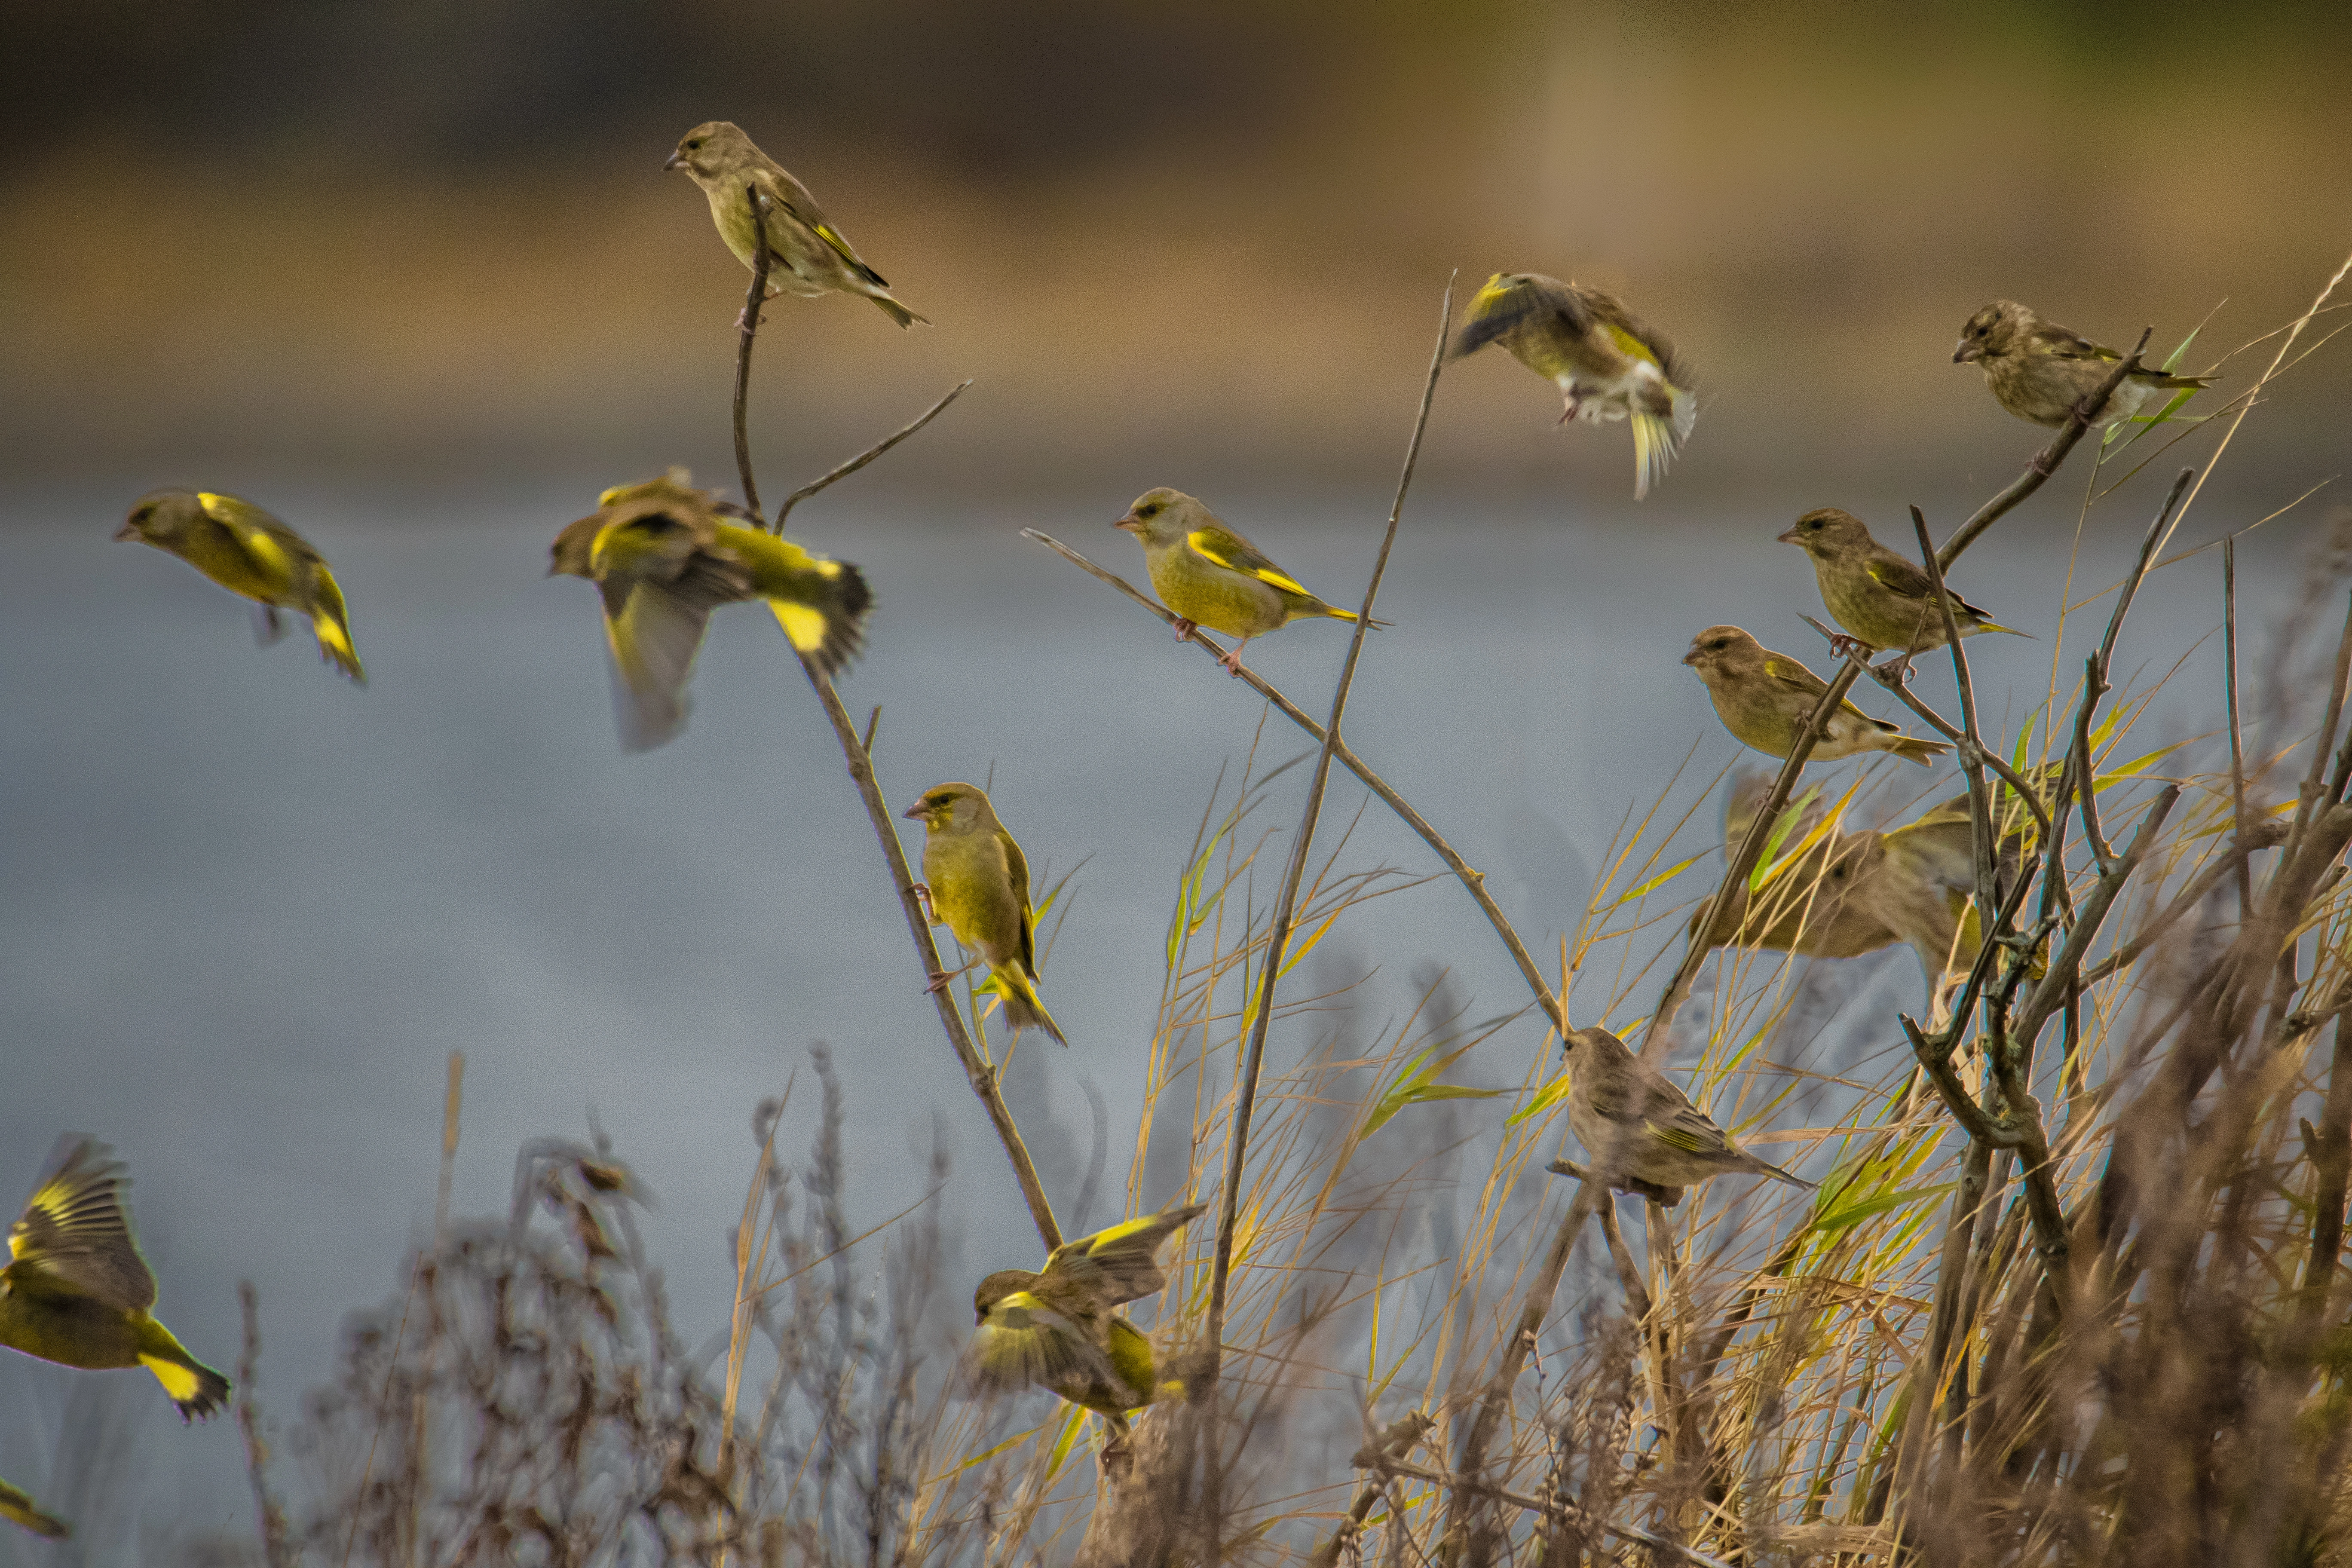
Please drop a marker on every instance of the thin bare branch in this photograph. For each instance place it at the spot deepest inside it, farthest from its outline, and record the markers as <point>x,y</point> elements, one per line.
<point>867,455</point>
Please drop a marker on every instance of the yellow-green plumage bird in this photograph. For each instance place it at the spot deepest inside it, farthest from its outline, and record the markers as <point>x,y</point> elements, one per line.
<point>1211,576</point>
<point>2044,372</point>
<point>1635,1122</point>
<point>76,1290</point>
<point>808,256</point>
<point>663,556</point>
<point>1057,1329</point>
<point>1607,364</point>
<point>978,883</point>
<point>1764,698</point>
<point>16,1506</point>
<point>1883,600</point>
<point>250,554</point>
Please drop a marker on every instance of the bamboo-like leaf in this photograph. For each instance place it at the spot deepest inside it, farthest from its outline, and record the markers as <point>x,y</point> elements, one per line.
<point>1419,1094</point>
<point>1663,877</point>
<point>1546,1096</point>
<point>1852,1213</point>
<point>1790,813</point>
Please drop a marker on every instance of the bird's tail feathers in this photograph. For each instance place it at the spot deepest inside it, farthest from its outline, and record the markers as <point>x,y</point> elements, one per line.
<point>2197,382</point>
<point>1336,614</point>
<point>1658,438</point>
<point>1915,749</point>
<point>335,644</point>
<point>897,312</point>
<point>1023,1010</point>
<point>1774,1170</point>
<point>1997,626</point>
<point>827,622</point>
<point>196,1389</point>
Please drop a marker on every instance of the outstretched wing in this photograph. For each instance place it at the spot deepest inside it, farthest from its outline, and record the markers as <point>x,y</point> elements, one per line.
<point>1514,300</point>
<point>1023,1342</point>
<point>1121,1264</point>
<point>74,1236</point>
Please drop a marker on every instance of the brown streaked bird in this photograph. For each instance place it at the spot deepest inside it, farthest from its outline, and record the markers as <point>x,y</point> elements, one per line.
<point>807,255</point>
<point>2044,372</point>
<point>1881,599</point>
<point>76,1292</point>
<point>1764,698</point>
<point>1633,1121</point>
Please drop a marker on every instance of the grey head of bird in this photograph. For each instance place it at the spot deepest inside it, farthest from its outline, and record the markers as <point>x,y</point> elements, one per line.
<point>1162,516</point>
<point>1828,531</point>
<point>1992,331</point>
<point>160,517</point>
<point>1720,652</point>
<point>1595,1046</point>
<point>996,1287</point>
<point>952,807</point>
<point>711,149</point>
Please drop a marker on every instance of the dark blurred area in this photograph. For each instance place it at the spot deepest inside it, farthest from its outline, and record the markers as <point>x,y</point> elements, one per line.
<point>430,238</point>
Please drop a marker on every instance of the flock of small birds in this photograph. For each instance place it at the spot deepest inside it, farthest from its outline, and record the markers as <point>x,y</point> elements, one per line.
<point>664,555</point>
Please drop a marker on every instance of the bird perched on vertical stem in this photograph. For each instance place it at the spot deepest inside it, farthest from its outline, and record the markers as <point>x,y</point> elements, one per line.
<point>1883,600</point>
<point>2044,372</point>
<point>977,880</point>
<point>1764,698</point>
<point>1057,1329</point>
<point>250,554</point>
<point>1633,1123</point>
<point>76,1290</point>
<point>1607,364</point>
<point>663,556</point>
<point>808,255</point>
<point>1211,576</point>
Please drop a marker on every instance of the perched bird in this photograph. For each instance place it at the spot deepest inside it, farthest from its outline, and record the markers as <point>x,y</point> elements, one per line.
<point>977,880</point>
<point>1606,364</point>
<point>1808,906</point>
<point>76,1290</point>
<point>663,556</point>
<point>250,554</point>
<point>2045,372</point>
<point>17,1507</point>
<point>1764,698</point>
<point>1211,576</point>
<point>1882,598</point>
<point>1057,1329</point>
<point>808,255</point>
<point>1631,1121</point>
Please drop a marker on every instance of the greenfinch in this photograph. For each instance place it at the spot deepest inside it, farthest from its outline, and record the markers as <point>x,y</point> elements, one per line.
<point>76,1290</point>
<point>1883,600</point>
<point>1764,698</point>
<point>808,255</point>
<point>2044,372</point>
<point>1807,907</point>
<point>1057,1329</point>
<point>18,1508</point>
<point>1211,576</point>
<point>1607,364</point>
<point>254,555</point>
<point>1629,1118</point>
<point>977,880</point>
<point>663,556</point>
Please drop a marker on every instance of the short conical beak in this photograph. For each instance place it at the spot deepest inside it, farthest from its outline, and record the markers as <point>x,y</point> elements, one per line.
<point>1690,657</point>
<point>1967,353</point>
<point>676,161</point>
<point>126,534</point>
<point>1788,536</point>
<point>914,812</point>
<point>1130,522</point>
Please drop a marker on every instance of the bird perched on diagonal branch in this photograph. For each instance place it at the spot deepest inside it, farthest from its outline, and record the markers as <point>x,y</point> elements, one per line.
<point>1882,599</point>
<point>2044,372</point>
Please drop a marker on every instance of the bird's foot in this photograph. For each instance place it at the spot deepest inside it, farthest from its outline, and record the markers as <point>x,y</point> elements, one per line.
<point>1569,409</point>
<point>1184,628</point>
<point>1897,670</point>
<point>923,895</point>
<point>1233,661</point>
<point>1842,645</point>
<point>940,979</point>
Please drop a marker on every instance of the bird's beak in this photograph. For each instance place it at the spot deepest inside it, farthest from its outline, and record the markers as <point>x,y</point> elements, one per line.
<point>1690,657</point>
<point>676,161</point>
<point>914,812</point>
<point>1130,522</point>
<point>1966,353</point>
<point>126,534</point>
<point>1788,536</point>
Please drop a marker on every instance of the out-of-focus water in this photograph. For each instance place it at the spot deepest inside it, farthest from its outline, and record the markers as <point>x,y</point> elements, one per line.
<point>246,911</point>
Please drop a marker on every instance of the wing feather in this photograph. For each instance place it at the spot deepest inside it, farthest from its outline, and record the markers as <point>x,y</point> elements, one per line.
<point>75,1235</point>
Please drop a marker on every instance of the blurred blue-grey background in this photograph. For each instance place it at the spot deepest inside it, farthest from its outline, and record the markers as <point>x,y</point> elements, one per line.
<point>411,278</point>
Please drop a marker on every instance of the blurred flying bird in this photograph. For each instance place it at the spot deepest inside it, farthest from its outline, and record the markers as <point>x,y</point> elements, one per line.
<point>1881,599</point>
<point>1633,1123</point>
<point>1211,576</point>
<point>250,554</point>
<point>663,556</point>
<point>76,1290</point>
<point>2043,372</point>
<point>18,1508</point>
<point>1764,698</point>
<point>809,255</point>
<point>1607,364</point>
<point>1057,1329</point>
<point>978,883</point>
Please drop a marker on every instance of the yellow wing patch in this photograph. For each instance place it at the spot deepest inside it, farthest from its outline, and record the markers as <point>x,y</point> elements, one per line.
<point>805,628</point>
<point>177,1380</point>
<point>1631,344</point>
<point>1269,574</point>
